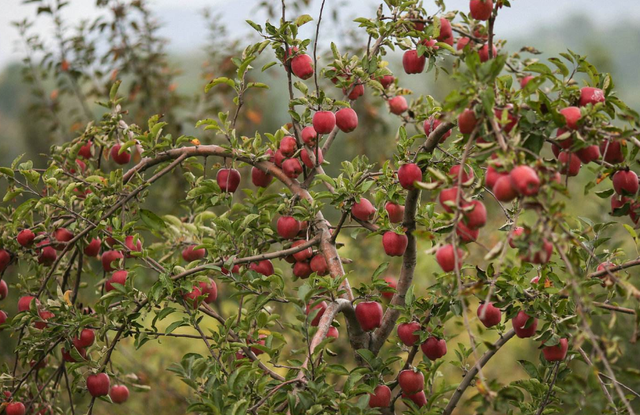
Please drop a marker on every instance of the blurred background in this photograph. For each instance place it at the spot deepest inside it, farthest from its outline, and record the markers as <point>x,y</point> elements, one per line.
<point>197,38</point>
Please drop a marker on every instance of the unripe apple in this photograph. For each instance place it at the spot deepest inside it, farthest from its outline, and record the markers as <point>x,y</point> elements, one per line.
<point>190,254</point>
<point>324,122</point>
<point>525,80</point>
<point>572,116</point>
<point>419,399</point>
<point>522,326</point>
<point>542,256</point>
<point>24,303</point>
<point>434,348</point>
<point>86,339</point>
<point>398,105</point>
<point>448,198</point>
<point>85,150</point>
<point>492,176</point>
<point>228,179</point>
<point>302,269</point>
<point>517,231</point>
<point>386,81</point>
<point>431,124</point>
<point>288,145</point>
<point>109,257</point>
<point>119,393</point>
<point>302,66</point>
<point>264,267</point>
<point>4,289</point>
<point>395,212</point>
<point>556,353</point>
<point>447,259</point>
<point>319,265</point>
<point>292,168</point>
<point>288,227</point>
<point>412,63</point>
<point>46,255</point>
<point>321,307</point>
<point>309,136</point>
<point>406,333</point>
<point>445,30</point>
<point>98,384</point>
<point>93,248</point>
<point>411,381</point>
<point>569,163</point>
<point>381,397</point>
<point>625,182</point>
<point>279,158</point>
<point>62,235</point>
<point>260,178</point>
<point>333,332</point>
<point>304,155</point>
<point>476,217</point>
<point>394,244</point>
<point>118,277</point>
<point>467,121</point>
<point>481,9</point>
<point>465,234</point>
<point>408,174</point>
<point>25,237</point>
<point>391,283</point>
<point>363,210</point>
<point>489,315</point>
<point>369,315</point>
<point>503,191</point>
<point>347,119</point>
<point>120,158</point>
<point>525,180</point>
<point>590,95</point>
<point>303,255</point>
<point>15,408</point>
<point>484,52</point>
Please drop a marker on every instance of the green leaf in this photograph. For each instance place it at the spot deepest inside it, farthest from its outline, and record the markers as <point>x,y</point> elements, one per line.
<point>305,18</point>
<point>218,81</point>
<point>152,220</point>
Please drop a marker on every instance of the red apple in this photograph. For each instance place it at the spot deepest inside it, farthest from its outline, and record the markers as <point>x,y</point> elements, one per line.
<point>525,80</point>
<point>481,9</point>
<point>386,81</point>
<point>4,289</point>
<point>467,120</point>
<point>319,265</point>
<point>391,283</point>
<point>346,119</point>
<point>118,277</point>
<point>192,297</point>
<point>612,151</point>
<point>411,381</point>
<point>288,227</point>
<point>590,95</point>
<point>492,176</point>
<point>333,332</point>
<point>46,255</point>
<point>476,217</point>
<point>511,119</point>
<point>406,333</point>
<point>119,393</point>
<point>363,210</point>
<point>3,317</point>
<point>302,269</point>
<point>260,178</point>
<point>302,66</point>
<point>572,116</point>
<point>93,248</point>
<point>210,290</point>
<point>15,408</point>
<point>309,136</point>
<point>625,182</point>
<point>292,168</point>
<point>431,124</point>
<point>446,258</point>
<point>434,348</point>
<point>394,244</point>
<point>517,231</point>
<point>445,30</point>
<point>522,326</point>
<point>109,257</point>
<point>288,145</point>
<point>369,315</point>
<point>465,234</point>
<point>86,339</point>
<point>556,353</point>
<point>120,158</point>
<point>67,357</point>
<point>484,52</point>
<point>525,180</point>
<point>395,212</point>
<point>279,158</point>
<point>306,159</point>
<point>228,179</point>
<point>463,42</point>
<point>412,63</point>
<point>25,237</point>
<point>381,397</point>
<point>448,198</point>
<point>303,255</point>
<point>542,256</point>
<point>62,235</point>
<point>408,174</point>
<point>419,399</point>
<point>588,154</point>
<point>24,303</point>
<point>569,163</point>
<point>503,191</point>
<point>98,384</point>
<point>191,254</point>
<point>489,315</point>
<point>398,105</point>
<point>321,308</point>
<point>44,316</point>
<point>467,174</point>
<point>85,150</point>
<point>128,242</point>
<point>264,267</point>
<point>324,122</point>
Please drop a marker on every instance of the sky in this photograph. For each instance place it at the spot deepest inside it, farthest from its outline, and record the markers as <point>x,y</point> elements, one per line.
<point>183,25</point>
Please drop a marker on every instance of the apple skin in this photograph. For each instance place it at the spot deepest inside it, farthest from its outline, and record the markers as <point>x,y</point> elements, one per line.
<point>394,244</point>
<point>363,210</point>
<point>85,150</point>
<point>570,163</point>
<point>15,408</point>
<point>525,80</point>
<point>448,195</point>
<point>481,9</point>
<point>489,315</point>
<point>556,353</point>
<point>398,105</point>
<point>324,122</point>
<point>25,237</point>
<point>408,174</point>
<point>419,399</point>
<point>122,158</point>
<point>303,255</point>
<point>477,217</point>
<point>411,382</point>
<point>467,174</point>
<point>434,348</point>
<point>62,235</point>
<point>467,121</point>
<point>191,297</point>
<point>613,153</point>
<point>86,339</point>
<point>525,180</point>
<point>260,178</point>
<point>189,254</point>
<point>406,333</point>
<point>288,145</point>
<point>333,332</point>
<point>309,136</point>
<point>392,283</point>
<point>210,289</point>
<point>541,257</point>
<point>520,321</point>
<point>484,52</point>
<point>98,384</point>
<point>302,269</point>
<point>463,42</point>
<point>465,234</point>
<point>119,393</point>
<point>412,63</point>
<point>446,259</point>
<point>93,248</point>
<point>381,397</point>
<point>625,183</point>
<point>264,267</point>
<point>319,265</point>
<point>118,277</point>
<point>369,315</point>
<point>347,119</point>
<point>288,227</point>
<point>306,159</point>
<point>4,289</point>
<point>279,158</point>
<point>395,212</point>
<point>588,154</point>
<point>24,303</point>
<point>128,242</point>
<point>44,316</point>
<point>3,317</point>
<point>302,66</point>
<point>431,124</point>
<point>108,258</point>
<point>492,176</point>
<point>386,81</point>
<point>292,168</point>
<point>590,95</point>
<point>517,231</point>
<point>228,180</point>
<point>445,30</point>
<point>503,191</point>
<point>321,308</point>
<point>572,116</point>
<point>46,255</point>
<point>354,92</point>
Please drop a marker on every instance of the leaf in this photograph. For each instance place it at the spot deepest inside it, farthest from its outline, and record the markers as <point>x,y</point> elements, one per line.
<point>152,220</point>
<point>304,19</point>
<point>218,81</point>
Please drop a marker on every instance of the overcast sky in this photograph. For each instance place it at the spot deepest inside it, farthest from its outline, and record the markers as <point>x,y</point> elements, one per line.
<point>184,26</point>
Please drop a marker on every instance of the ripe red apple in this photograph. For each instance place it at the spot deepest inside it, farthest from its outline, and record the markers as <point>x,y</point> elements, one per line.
<point>109,257</point>
<point>303,255</point>
<point>15,408</point>
<point>434,348</point>
<point>3,317</point>
<point>467,121</point>
<point>120,158</point>
<point>448,197</point>
<point>625,182</point>
<point>394,244</point>
<point>463,42</point>
<point>484,52</point>
<point>228,179</point>
<point>98,384</point>
<point>386,81</point>
<point>78,163</point>
<point>119,393</point>
<point>481,9</point>
<point>46,255</point>
<point>446,258</point>
<point>542,256</point>
<point>190,254</point>
<point>588,154</point>
<point>302,269</point>
<point>85,150</point>
<point>288,145</point>
<point>321,308</point>
<point>445,30</point>
<point>191,297</point>
<point>525,180</point>
<point>118,277</point>
<point>346,119</point>
<point>408,174</point>
<point>24,303</point>
<point>319,265</point>
<point>492,176</point>
<point>572,116</point>
<point>411,381</point>
<point>44,316</point>
<point>398,105</point>
<point>381,397</point>
<point>288,227</point>
<point>467,174</point>
<point>309,136</point>
<point>489,315</point>
<point>4,289</point>
<point>406,333</point>
<point>569,163</point>
<point>511,119</point>
<point>292,168</point>
<point>302,66</point>
<point>431,124</point>
<point>412,63</point>
<point>525,80</point>
<point>391,283</point>
<point>617,202</point>
<point>333,332</point>
<point>590,95</point>
<point>612,151</point>
<point>25,237</point>
<point>556,353</point>
<point>419,399</point>
<point>93,248</point>
<point>210,290</point>
<point>264,267</point>
<point>62,235</point>
<point>324,122</point>
<point>517,231</point>
<point>369,315</point>
<point>465,234</point>
<point>279,158</point>
<point>86,339</point>
<point>354,92</point>
<point>306,159</point>
<point>522,326</point>
<point>503,191</point>
<point>128,242</point>
<point>363,210</point>
<point>395,212</point>
<point>476,217</point>
<point>260,178</point>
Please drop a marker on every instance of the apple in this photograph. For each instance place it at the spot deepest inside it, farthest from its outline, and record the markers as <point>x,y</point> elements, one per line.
<point>511,119</point>
<point>24,303</point>
<point>411,381</point>
<point>44,316</point>
<point>448,198</point>
<point>354,92</point>
<point>128,242</point>
<point>62,235</point>
<point>118,277</point>
<point>78,163</point>
<point>333,332</point>
<point>191,254</point>
<point>467,174</point>
<point>386,81</point>
<point>394,244</point>
<point>93,248</point>
<point>363,210</point>
<point>570,163</point>
<point>381,397</point>
<point>306,159</point>
<point>120,158</point>
<point>556,353</point>
<point>319,265</point>
<point>302,66</point>
<point>279,158</point>
<point>15,408</point>
<point>119,393</point>
<point>264,267</point>
<point>395,212</point>
<point>492,176</point>
<point>525,180</point>
<point>618,202</point>
<point>612,152</point>
<point>463,42</point>
<point>572,116</point>
<point>525,80</point>
<point>541,257</point>
<point>288,145</point>
<point>445,30</point>
<point>309,136</point>
<point>446,258</point>
<point>517,231</point>
<point>466,235</point>
<point>398,105</point>
<point>391,283</point>
<point>85,150</point>
<point>484,52</point>
<point>98,384</point>
<point>228,179</point>
<point>467,121</point>
<point>522,326</point>
<point>109,257</point>
<point>86,339</point>
<point>564,143</point>
<point>476,217</point>
<point>324,122</point>
<point>4,289</point>
<point>302,269</point>
<point>321,307</point>
<point>481,9</point>
<point>590,95</point>
<point>3,317</point>
<point>292,168</point>
<point>369,315</point>
<point>431,124</point>
<point>288,227</point>
<point>412,63</point>
<point>303,255</point>
<point>489,315</point>
<point>260,178</point>
<point>46,255</point>
<point>625,182</point>
<point>419,399</point>
<point>346,119</point>
<point>408,174</point>
<point>503,191</point>
<point>25,237</point>
<point>434,348</point>
<point>210,290</point>
<point>406,333</point>
<point>192,297</point>
<point>588,154</point>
